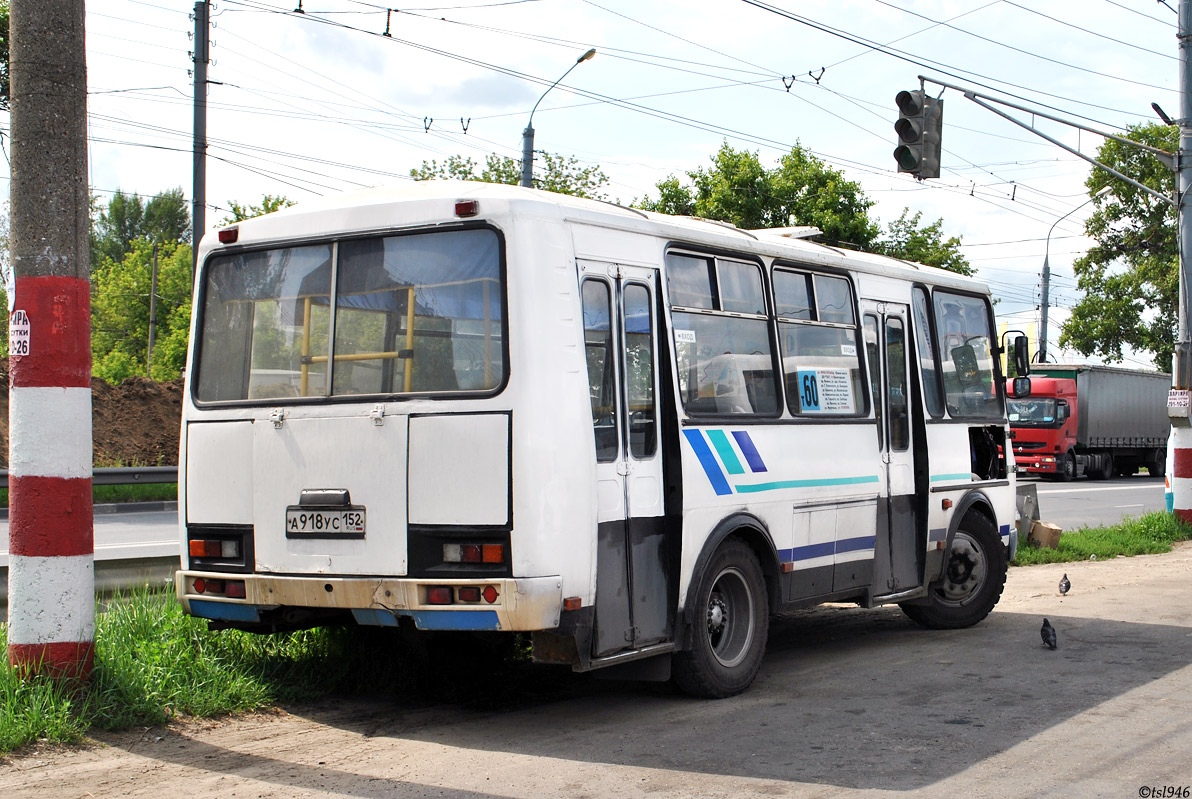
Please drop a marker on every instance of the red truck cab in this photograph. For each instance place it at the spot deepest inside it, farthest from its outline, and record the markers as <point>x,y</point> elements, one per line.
<point>1043,427</point>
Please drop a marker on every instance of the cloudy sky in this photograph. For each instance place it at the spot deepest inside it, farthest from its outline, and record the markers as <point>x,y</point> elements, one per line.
<point>314,103</point>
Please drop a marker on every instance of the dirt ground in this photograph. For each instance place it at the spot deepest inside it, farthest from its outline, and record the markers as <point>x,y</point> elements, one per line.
<point>136,423</point>
<point>849,703</point>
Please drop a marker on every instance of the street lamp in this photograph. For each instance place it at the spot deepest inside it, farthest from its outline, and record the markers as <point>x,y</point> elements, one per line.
<point>1042,353</point>
<point>527,175</point>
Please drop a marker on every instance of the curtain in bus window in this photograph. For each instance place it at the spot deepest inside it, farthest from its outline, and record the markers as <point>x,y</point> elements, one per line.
<point>927,366</point>
<point>966,355</point>
<point>598,351</point>
<point>725,364</point>
<point>821,365</point>
<point>265,315</point>
<point>639,370</point>
<point>419,313</point>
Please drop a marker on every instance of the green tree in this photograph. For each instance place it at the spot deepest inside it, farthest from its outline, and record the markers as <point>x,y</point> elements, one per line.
<point>800,190</point>
<point>1130,278</point>
<point>165,219</point>
<point>268,205</point>
<point>906,239</point>
<point>120,312</point>
<point>561,175</point>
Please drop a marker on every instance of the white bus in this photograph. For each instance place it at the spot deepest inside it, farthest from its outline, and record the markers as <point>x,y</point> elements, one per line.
<point>633,437</point>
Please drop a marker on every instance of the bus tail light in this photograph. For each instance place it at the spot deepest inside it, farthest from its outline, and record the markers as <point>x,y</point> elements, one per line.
<point>439,595</point>
<point>468,593</point>
<point>473,553</point>
<point>214,548</point>
<point>490,594</point>
<point>235,589</point>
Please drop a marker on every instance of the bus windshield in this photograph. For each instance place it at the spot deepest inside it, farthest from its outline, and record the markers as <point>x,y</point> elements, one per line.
<point>419,313</point>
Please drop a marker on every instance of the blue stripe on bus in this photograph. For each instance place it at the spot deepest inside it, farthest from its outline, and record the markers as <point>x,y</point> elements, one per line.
<point>813,551</point>
<point>708,461</point>
<point>966,476</point>
<point>749,451</point>
<point>224,611</point>
<point>823,481</point>
<point>456,619</point>
<point>1004,530</point>
<point>826,549</point>
<point>856,544</point>
<point>430,619</point>
<point>725,450</point>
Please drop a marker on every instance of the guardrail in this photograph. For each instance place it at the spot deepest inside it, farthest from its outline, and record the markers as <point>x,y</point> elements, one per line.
<point>122,475</point>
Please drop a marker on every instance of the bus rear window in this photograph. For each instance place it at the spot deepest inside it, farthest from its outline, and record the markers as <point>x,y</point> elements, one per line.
<point>419,313</point>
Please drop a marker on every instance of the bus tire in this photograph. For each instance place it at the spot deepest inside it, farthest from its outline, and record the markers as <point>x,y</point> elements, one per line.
<point>730,626</point>
<point>974,577</point>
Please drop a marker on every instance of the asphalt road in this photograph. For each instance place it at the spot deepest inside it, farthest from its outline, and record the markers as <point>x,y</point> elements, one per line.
<point>1089,503</point>
<point>122,536</point>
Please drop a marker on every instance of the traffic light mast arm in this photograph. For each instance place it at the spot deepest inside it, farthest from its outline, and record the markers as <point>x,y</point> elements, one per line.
<point>1167,158</point>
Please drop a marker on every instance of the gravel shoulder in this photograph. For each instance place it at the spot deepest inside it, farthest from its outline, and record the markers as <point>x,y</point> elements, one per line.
<point>849,703</point>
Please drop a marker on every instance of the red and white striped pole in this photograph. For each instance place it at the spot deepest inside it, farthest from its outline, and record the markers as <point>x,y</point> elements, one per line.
<point>51,579</point>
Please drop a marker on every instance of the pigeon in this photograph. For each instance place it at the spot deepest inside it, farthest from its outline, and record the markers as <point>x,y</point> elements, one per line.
<point>1047,633</point>
<point>1065,585</point>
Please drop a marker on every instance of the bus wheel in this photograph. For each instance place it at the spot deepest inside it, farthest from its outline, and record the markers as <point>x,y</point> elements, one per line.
<point>973,578</point>
<point>728,635</point>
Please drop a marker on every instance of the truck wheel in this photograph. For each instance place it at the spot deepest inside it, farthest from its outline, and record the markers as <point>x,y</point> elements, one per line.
<point>1065,467</point>
<point>1158,467</point>
<point>973,578</point>
<point>728,635</point>
<point>1107,468</point>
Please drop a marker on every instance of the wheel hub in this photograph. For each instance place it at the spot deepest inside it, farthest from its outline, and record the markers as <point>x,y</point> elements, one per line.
<point>717,614</point>
<point>966,569</point>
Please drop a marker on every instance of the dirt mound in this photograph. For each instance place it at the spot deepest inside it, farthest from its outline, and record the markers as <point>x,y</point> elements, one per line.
<point>133,424</point>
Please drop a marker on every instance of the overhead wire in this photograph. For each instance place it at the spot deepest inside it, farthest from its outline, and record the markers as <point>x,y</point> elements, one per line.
<point>1025,52</point>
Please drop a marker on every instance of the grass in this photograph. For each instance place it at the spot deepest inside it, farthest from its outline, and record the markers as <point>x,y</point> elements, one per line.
<point>1150,534</point>
<point>153,663</point>
<point>145,492</point>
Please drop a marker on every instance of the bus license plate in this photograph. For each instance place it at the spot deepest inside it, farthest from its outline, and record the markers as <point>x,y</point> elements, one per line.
<point>307,523</point>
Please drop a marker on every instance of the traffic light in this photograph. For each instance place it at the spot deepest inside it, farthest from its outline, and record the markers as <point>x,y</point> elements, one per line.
<point>919,127</point>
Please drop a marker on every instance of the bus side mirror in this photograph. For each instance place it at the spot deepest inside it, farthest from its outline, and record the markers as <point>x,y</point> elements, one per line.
<point>1022,359</point>
<point>1020,387</point>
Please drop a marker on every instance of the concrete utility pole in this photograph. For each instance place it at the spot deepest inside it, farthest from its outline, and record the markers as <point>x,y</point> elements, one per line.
<point>1180,470</point>
<point>51,579</point>
<point>202,55</point>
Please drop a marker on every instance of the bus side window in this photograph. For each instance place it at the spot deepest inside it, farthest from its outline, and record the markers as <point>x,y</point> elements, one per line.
<point>875,373</point>
<point>927,365</point>
<point>639,369</point>
<point>598,351</point>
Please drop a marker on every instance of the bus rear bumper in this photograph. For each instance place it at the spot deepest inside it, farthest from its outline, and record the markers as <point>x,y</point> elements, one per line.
<point>511,604</point>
